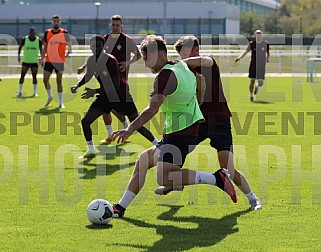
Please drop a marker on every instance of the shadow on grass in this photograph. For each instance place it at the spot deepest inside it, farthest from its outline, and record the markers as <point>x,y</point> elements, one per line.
<point>48,111</point>
<point>99,227</point>
<point>90,168</point>
<point>208,233</point>
<point>262,102</point>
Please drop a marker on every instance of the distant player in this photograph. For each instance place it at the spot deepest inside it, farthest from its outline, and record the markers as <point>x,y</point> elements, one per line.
<point>260,54</point>
<point>55,40</point>
<point>32,47</point>
<point>112,94</point>
<point>124,49</point>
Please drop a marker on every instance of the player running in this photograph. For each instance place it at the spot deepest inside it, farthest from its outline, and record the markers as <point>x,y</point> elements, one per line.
<point>112,94</point>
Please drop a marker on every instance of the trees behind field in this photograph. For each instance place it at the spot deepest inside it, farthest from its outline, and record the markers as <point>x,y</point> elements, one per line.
<point>293,17</point>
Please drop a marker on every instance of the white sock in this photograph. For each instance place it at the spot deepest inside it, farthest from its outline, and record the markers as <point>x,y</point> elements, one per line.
<point>20,87</point>
<point>127,198</point>
<point>49,92</point>
<point>125,123</point>
<point>109,129</point>
<point>91,146</point>
<point>251,94</point>
<point>60,98</point>
<point>251,196</point>
<point>205,178</point>
<point>35,88</point>
<point>155,141</point>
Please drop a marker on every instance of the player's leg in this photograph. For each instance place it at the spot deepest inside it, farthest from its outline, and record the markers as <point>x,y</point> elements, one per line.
<point>121,118</point>
<point>34,72</point>
<point>145,161</point>
<point>109,128</point>
<point>91,115</point>
<point>221,139</point>
<point>252,88</point>
<point>220,178</point>
<point>59,73</point>
<point>48,68</point>
<point>24,70</point>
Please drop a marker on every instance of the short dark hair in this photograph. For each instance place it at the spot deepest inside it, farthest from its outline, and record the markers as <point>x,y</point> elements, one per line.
<point>97,39</point>
<point>116,18</point>
<point>152,43</point>
<point>186,41</point>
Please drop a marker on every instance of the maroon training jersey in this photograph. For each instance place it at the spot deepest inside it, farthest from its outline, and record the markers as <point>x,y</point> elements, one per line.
<point>121,46</point>
<point>214,107</point>
<point>259,52</point>
<point>106,71</point>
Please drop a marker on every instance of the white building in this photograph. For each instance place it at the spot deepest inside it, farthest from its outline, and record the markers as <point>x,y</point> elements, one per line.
<point>162,17</point>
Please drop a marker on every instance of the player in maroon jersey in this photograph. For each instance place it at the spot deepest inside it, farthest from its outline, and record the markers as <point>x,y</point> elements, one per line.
<point>217,126</point>
<point>112,94</point>
<point>260,54</point>
<point>124,49</point>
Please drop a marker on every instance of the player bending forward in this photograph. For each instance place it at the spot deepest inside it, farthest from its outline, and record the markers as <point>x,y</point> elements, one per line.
<point>175,94</point>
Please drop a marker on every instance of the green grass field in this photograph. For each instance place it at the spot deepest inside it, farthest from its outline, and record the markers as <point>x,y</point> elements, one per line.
<point>45,188</point>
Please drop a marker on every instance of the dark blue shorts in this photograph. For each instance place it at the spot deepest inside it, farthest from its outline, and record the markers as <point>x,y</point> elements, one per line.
<point>175,149</point>
<point>219,133</point>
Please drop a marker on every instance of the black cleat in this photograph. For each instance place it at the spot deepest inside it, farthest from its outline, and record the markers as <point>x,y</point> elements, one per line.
<point>119,211</point>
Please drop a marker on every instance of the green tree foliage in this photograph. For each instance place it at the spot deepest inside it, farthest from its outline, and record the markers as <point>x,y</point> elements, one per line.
<point>292,17</point>
<point>250,21</point>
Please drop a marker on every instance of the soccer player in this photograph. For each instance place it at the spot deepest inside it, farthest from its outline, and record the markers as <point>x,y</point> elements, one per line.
<point>175,94</point>
<point>31,45</point>
<point>112,94</point>
<point>55,40</point>
<point>124,49</point>
<point>217,125</point>
<point>260,54</point>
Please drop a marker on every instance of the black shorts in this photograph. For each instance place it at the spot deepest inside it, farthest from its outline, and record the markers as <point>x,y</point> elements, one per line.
<point>220,135</point>
<point>49,67</point>
<point>125,106</point>
<point>175,149</point>
<point>257,72</point>
<point>29,65</point>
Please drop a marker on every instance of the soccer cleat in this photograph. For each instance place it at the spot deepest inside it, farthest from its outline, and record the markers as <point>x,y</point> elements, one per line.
<point>35,95</point>
<point>164,190</point>
<point>255,204</point>
<point>251,98</point>
<point>19,94</point>
<point>107,140</point>
<point>119,211</point>
<point>50,98</point>
<point>224,182</point>
<point>62,105</point>
<point>256,89</point>
<point>88,155</point>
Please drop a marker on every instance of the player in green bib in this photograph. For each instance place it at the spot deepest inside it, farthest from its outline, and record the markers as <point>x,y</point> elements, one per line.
<point>175,95</point>
<point>32,46</point>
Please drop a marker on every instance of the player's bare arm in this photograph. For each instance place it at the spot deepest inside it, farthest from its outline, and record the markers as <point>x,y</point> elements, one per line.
<point>145,116</point>
<point>137,55</point>
<point>248,49</point>
<point>199,61</point>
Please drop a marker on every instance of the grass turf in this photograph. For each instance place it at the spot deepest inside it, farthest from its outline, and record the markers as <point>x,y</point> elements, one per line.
<point>45,188</point>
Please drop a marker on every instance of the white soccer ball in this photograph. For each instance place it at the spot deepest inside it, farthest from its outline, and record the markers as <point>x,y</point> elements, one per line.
<point>100,212</point>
